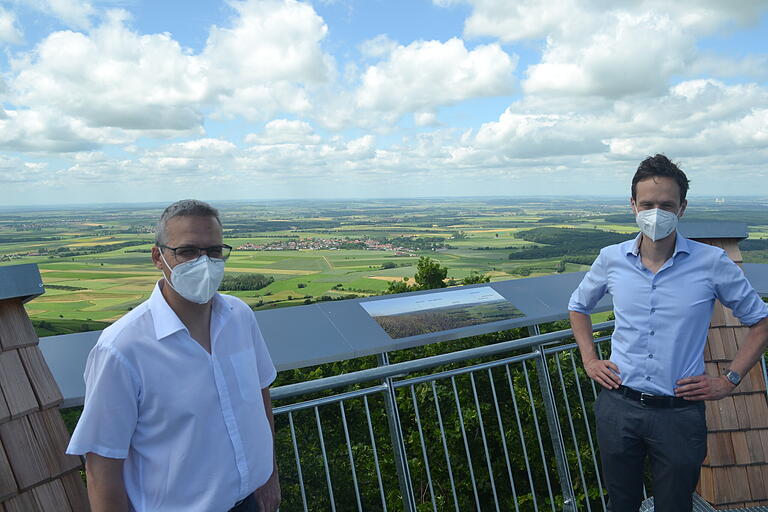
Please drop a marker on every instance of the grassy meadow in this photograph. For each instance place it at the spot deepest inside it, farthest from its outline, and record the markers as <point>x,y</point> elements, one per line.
<point>96,266</point>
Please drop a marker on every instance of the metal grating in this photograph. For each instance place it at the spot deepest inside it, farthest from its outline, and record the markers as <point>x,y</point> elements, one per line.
<point>701,505</point>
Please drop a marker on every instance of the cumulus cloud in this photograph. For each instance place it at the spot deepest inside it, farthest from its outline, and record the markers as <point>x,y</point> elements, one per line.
<point>73,13</point>
<point>9,30</point>
<point>284,131</point>
<point>426,74</point>
<point>609,49</point>
<point>379,46</point>
<point>120,84</point>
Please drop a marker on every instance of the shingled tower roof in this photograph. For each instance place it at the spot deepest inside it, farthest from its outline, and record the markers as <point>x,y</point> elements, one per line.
<point>35,473</point>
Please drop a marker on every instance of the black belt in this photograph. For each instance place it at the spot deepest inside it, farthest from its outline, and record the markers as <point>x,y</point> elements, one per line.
<point>648,400</point>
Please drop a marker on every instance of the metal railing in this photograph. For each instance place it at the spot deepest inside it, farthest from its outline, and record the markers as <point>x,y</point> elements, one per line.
<point>506,426</point>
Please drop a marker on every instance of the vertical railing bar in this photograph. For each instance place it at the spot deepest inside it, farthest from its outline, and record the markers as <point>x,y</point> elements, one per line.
<point>398,442</point>
<point>765,373</point>
<point>573,431</point>
<point>466,443</point>
<point>351,457</point>
<point>588,429</point>
<point>375,454</point>
<point>538,437</point>
<point>445,447</point>
<point>325,459</point>
<point>503,435</point>
<point>423,447</point>
<point>522,439</point>
<point>298,461</point>
<point>485,442</point>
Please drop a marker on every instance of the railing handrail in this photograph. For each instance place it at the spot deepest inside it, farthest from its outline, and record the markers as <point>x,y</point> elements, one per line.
<point>407,367</point>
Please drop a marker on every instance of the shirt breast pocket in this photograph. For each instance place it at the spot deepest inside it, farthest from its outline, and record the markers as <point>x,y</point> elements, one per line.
<point>247,374</point>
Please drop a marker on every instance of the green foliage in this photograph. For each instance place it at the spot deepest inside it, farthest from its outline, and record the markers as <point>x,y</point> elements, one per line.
<point>475,277</point>
<point>565,241</point>
<point>388,264</point>
<point>430,274</point>
<point>245,282</point>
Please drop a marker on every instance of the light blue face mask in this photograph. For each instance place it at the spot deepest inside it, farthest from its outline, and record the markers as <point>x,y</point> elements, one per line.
<point>656,223</point>
<point>196,280</point>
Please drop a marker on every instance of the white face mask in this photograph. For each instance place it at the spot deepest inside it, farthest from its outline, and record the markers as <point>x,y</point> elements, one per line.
<point>196,280</point>
<point>656,223</point>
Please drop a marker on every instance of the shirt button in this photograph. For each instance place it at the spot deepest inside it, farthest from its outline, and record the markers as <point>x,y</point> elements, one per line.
<point>647,378</point>
<point>652,333</point>
<point>653,287</point>
<point>653,310</point>
<point>650,356</point>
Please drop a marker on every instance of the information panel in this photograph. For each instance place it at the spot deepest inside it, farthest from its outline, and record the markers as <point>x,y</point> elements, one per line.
<point>401,317</point>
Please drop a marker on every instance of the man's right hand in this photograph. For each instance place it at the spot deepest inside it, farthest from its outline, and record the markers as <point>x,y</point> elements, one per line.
<point>604,372</point>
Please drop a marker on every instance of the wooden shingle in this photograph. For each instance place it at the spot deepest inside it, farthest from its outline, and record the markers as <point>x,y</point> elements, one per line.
<point>7,482</point>
<point>755,445</point>
<point>758,410</point>
<point>22,503</point>
<point>718,315</point>
<point>43,384</point>
<point>739,483</point>
<point>728,417</point>
<point>76,493</point>
<point>742,410</point>
<point>757,486</point>
<point>5,414</point>
<point>729,342</point>
<point>715,344</point>
<point>51,496</point>
<point>15,385</point>
<point>23,453</point>
<point>15,327</point>
<point>720,449</point>
<point>59,438</point>
<point>706,487</point>
<point>740,448</point>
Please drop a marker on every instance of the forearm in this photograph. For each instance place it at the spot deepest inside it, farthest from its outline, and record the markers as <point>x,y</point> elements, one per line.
<point>106,488</point>
<point>581,325</point>
<point>752,349</point>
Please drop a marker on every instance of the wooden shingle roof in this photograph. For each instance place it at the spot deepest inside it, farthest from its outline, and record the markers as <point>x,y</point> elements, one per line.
<point>35,473</point>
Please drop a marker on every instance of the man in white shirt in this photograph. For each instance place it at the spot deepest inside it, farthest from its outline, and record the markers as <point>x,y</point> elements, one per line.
<point>177,412</point>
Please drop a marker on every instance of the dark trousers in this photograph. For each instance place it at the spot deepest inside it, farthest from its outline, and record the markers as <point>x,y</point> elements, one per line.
<point>674,439</point>
<point>247,505</point>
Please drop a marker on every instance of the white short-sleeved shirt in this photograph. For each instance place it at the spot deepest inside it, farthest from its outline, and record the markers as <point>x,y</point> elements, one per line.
<point>190,425</point>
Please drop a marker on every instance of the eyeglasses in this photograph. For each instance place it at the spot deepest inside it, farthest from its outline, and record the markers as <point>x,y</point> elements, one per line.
<point>189,253</point>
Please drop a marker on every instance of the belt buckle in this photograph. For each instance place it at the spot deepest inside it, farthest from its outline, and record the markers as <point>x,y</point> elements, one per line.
<point>642,398</point>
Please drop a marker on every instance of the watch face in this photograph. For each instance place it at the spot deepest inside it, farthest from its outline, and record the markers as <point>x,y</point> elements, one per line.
<point>732,376</point>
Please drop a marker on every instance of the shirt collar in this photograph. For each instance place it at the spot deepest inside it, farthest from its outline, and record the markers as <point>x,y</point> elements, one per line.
<point>682,244</point>
<point>165,319</point>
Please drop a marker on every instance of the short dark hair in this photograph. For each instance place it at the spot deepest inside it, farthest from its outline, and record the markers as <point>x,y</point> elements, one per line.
<point>184,208</point>
<point>660,165</point>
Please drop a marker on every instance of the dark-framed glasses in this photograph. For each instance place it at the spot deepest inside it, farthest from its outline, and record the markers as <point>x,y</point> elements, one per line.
<point>189,253</point>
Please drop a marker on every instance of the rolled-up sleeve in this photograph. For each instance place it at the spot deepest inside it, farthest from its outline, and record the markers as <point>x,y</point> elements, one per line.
<point>734,290</point>
<point>110,412</point>
<point>591,289</point>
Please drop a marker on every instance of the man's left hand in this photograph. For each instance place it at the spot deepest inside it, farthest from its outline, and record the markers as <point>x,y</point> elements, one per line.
<point>268,495</point>
<point>703,387</point>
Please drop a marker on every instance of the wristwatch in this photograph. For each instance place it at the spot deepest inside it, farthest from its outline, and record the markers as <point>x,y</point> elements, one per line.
<point>733,377</point>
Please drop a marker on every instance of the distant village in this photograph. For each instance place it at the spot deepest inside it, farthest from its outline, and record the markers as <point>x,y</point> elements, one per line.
<point>327,244</point>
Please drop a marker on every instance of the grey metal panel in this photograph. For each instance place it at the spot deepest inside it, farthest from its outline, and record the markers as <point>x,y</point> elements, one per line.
<point>20,281</point>
<point>713,229</point>
<point>66,356</point>
<point>757,273</point>
<point>299,336</point>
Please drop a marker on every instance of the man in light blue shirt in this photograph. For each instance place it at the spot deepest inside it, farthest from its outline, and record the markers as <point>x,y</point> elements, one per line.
<point>664,287</point>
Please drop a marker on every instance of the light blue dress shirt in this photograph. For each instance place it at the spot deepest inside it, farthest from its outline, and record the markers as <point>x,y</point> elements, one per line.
<point>662,319</point>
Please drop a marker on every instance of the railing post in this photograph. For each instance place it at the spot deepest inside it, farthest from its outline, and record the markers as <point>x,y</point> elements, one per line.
<point>398,443</point>
<point>555,433</point>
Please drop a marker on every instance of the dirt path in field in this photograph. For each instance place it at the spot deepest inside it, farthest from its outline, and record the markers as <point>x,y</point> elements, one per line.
<point>330,265</point>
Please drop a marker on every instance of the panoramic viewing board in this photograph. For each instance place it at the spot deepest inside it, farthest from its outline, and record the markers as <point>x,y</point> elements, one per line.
<point>402,317</point>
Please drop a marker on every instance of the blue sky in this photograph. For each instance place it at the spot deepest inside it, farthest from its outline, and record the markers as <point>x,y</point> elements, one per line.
<point>133,100</point>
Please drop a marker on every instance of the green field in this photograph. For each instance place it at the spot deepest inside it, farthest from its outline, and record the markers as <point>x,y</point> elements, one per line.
<point>96,264</point>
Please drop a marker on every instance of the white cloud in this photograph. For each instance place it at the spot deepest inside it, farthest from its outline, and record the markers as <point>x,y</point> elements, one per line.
<point>260,65</point>
<point>425,118</point>
<point>73,13</point>
<point>610,49</point>
<point>284,131</point>
<point>379,46</point>
<point>426,74</point>
<point>9,30</point>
